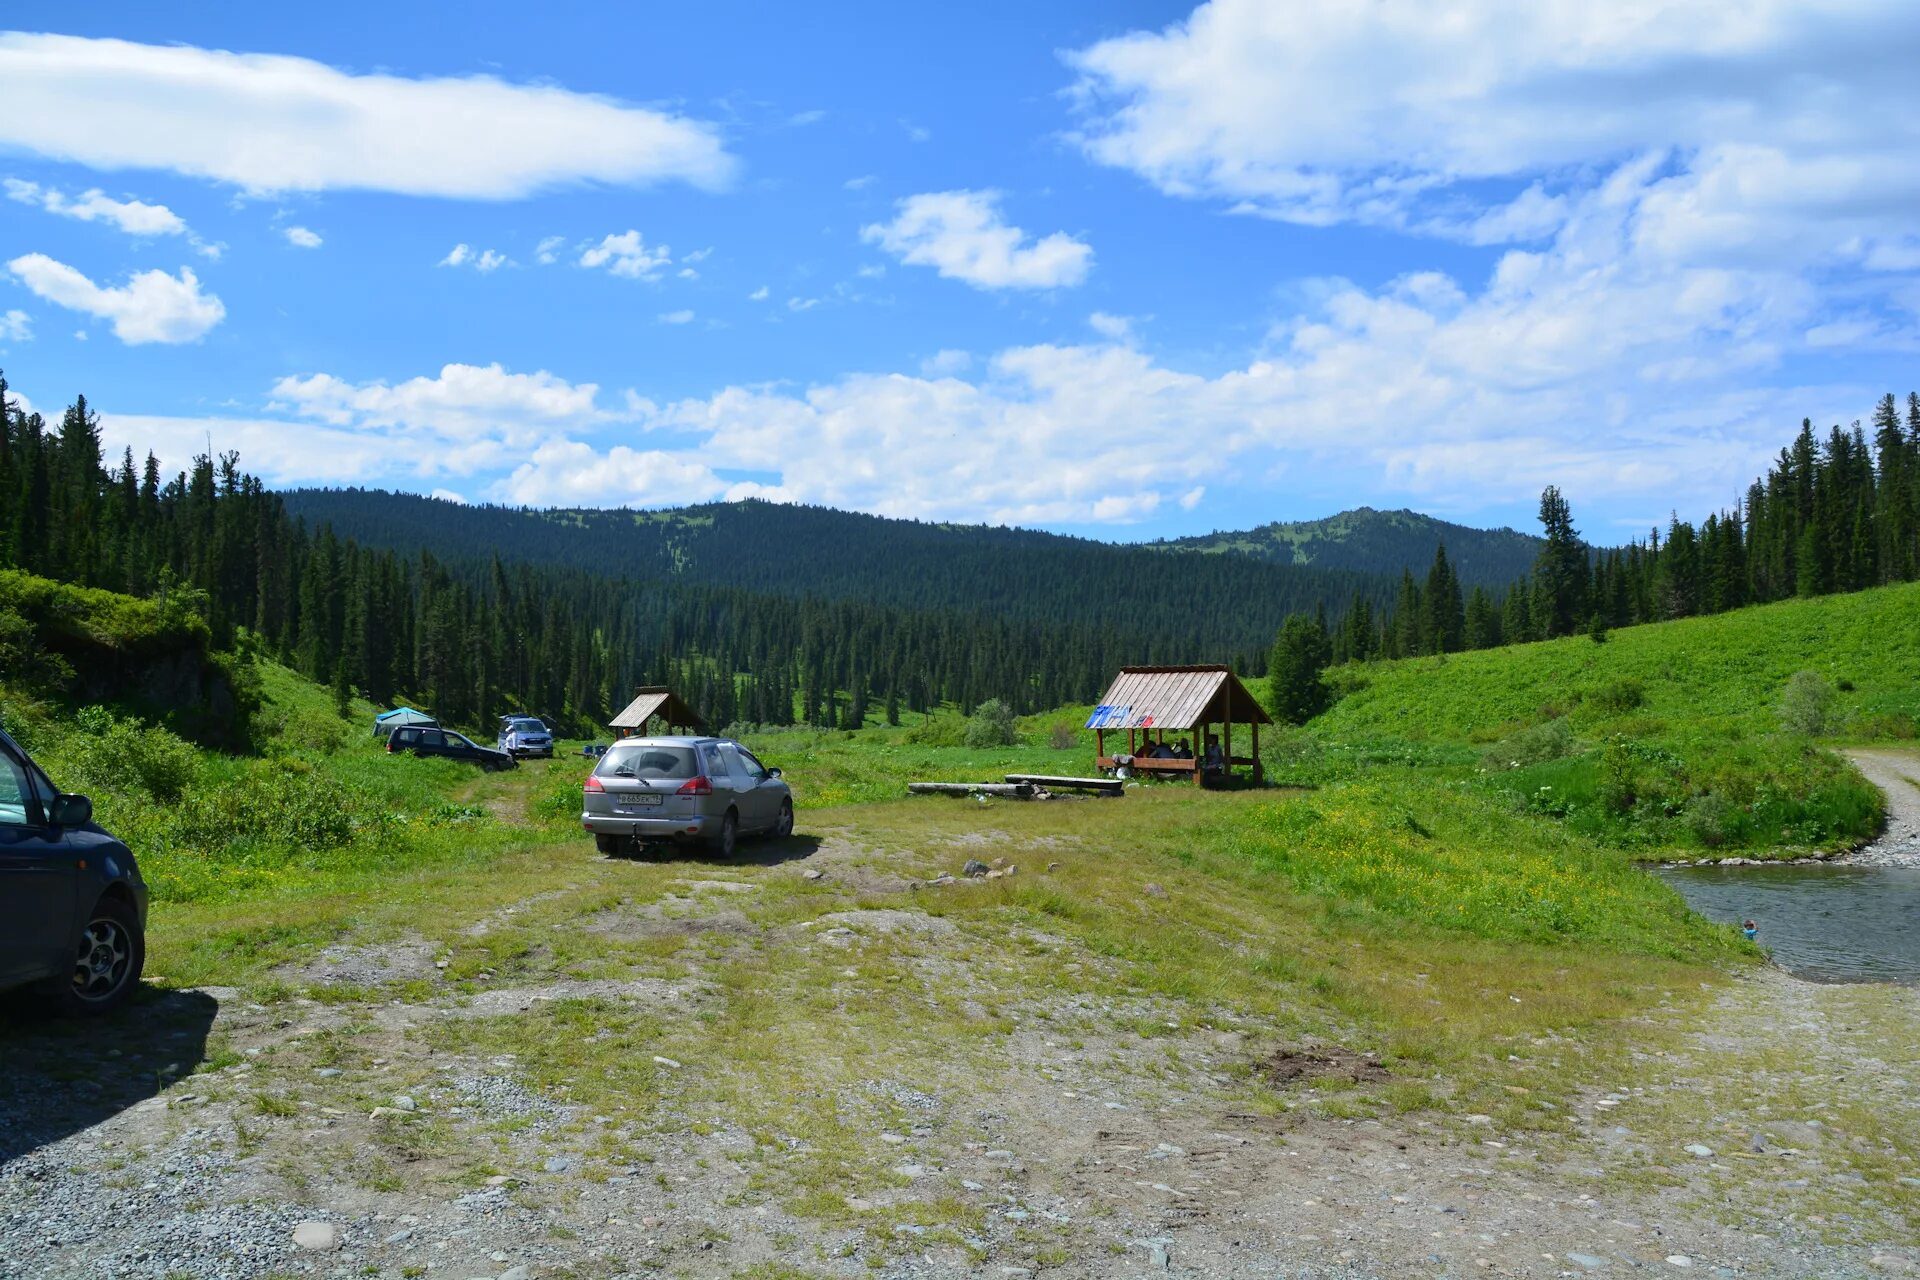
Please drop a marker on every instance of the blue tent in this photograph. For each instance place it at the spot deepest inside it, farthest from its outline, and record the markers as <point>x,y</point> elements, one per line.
<point>387,721</point>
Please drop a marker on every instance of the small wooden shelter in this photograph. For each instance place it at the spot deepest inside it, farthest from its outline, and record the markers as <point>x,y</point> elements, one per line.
<point>651,701</point>
<point>1150,702</point>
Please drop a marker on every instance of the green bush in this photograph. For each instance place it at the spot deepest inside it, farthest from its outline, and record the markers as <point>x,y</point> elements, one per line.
<point>1714,819</point>
<point>1536,744</point>
<point>1617,697</point>
<point>939,731</point>
<point>282,804</point>
<point>106,754</point>
<point>991,725</point>
<point>1807,705</point>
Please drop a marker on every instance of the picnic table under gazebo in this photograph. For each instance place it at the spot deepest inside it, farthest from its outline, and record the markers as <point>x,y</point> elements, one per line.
<point>1148,703</point>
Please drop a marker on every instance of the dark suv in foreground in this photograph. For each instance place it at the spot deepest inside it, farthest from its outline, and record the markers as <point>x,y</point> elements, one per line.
<point>73,908</point>
<point>423,741</point>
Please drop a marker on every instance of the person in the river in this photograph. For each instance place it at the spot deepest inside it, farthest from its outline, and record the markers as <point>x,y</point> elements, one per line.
<point>1749,928</point>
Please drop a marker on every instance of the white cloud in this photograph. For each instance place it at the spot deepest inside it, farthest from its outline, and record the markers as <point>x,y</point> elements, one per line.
<point>683,316</point>
<point>801,119</point>
<point>961,234</point>
<point>567,473</point>
<point>463,255</point>
<point>483,405</point>
<point>1118,328</point>
<point>135,217</point>
<point>151,307</point>
<point>267,123</point>
<point>802,304</point>
<point>16,326</point>
<point>627,255</point>
<point>547,252</point>
<point>1782,124</point>
<point>942,364</point>
<point>860,183</point>
<point>79,335</point>
<point>758,295</point>
<point>448,495</point>
<point>301,238</point>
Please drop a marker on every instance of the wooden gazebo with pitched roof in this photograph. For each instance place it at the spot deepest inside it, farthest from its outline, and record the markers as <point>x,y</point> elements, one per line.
<point>1149,701</point>
<point>655,700</point>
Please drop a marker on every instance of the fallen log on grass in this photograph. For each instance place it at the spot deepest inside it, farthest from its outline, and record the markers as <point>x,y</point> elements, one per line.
<point>1011,790</point>
<point>1104,786</point>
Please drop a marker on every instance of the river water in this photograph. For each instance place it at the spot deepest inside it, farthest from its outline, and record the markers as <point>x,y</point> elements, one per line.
<point>1856,919</point>
<point>1831,922</point>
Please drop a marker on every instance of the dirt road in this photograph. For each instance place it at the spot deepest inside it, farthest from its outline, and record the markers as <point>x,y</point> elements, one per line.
<point>532,1115</point>
<point>1898,774</point>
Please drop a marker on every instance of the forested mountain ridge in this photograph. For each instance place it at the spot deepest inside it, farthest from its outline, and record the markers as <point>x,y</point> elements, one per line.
<point>756,613</point>
<point>1222,603</point>
<point>1364,540</point>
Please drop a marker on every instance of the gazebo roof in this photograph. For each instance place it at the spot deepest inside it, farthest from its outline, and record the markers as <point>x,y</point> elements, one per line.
<point>656,700</point>
<point>1175,698</point>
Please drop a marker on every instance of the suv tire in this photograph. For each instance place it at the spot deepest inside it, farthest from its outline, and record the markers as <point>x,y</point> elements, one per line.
<point>109,955</point>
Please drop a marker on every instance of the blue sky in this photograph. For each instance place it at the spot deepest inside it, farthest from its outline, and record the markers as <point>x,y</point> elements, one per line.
<point>1118,269</point>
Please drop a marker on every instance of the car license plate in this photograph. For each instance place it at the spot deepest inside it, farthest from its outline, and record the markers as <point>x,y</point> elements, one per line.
<point>635,804</point>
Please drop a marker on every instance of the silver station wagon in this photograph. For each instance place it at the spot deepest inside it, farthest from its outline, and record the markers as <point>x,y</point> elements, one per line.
<point>712,790</point>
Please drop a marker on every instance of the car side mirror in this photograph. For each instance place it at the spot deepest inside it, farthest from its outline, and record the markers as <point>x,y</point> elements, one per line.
<point>773,773</point>
<point>71,811</point>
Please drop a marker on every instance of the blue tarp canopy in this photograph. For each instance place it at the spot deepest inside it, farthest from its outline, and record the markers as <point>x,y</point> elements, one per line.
<point>388,721</point>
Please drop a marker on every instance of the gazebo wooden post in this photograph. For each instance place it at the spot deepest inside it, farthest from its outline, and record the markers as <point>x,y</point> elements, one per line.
<point>1259,770</point>
<point>1200,755</point>
<point>1099,746</point>
<point>1229,736</point>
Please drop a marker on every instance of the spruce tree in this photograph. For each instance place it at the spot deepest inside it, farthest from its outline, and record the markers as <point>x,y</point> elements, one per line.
<point>1300,656</point>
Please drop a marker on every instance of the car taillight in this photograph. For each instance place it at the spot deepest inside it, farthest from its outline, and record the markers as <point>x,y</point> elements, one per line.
<point>699,786</point>
<point>593,785</point>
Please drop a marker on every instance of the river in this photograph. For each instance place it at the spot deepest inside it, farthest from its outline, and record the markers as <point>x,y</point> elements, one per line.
<point>1856,919</point>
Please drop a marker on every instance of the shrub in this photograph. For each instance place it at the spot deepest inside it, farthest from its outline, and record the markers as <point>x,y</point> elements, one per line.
<point>1807,704</point>
<point>1536,744</point>
<point>1713,819</point>
<point>1635,774</point>
<point>117,756</point>
<point>289,807</point>
<point>1062,737</point>
<point>939,731</point>
<point>1617,697</point>
<point>991,725</point>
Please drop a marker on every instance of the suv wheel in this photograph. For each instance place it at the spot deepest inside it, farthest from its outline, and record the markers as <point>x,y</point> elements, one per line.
<point>612,846</point>
<point>783,827</point>
<point>108,957</point>
<point>729,835</point>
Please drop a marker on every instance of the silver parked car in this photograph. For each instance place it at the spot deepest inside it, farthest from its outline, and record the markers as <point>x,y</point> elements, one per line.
<point>706,789</point>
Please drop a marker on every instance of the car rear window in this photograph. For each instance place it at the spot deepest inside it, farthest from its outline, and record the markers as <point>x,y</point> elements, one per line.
<point>646,762</point>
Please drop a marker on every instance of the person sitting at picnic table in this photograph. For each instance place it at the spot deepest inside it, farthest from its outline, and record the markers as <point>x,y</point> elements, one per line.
<point>1184,751</point>
<point>1161,751</point>
<point>1216,759</point>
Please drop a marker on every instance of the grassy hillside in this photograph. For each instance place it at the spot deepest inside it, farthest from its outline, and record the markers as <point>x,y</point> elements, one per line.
<point>1372,541</point>
<point>1668,735</point>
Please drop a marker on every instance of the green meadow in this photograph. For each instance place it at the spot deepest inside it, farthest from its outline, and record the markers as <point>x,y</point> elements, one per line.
<point>1438,871</point>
